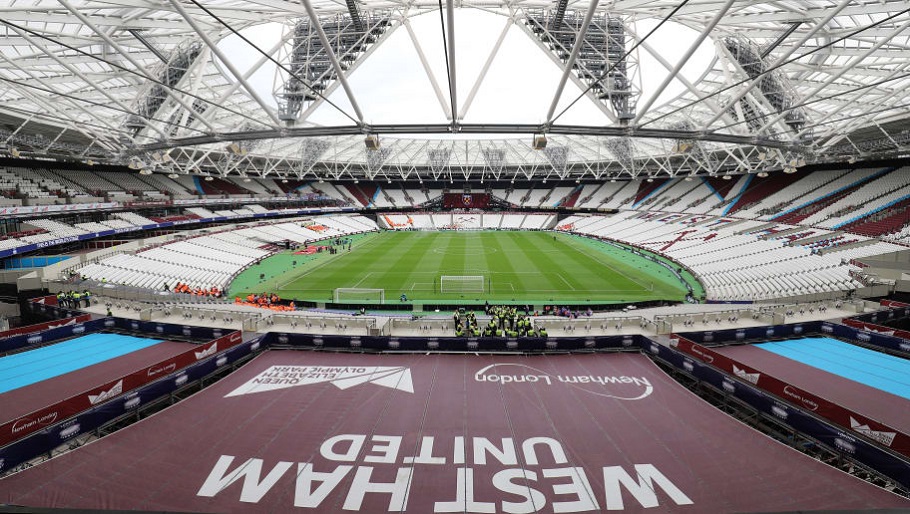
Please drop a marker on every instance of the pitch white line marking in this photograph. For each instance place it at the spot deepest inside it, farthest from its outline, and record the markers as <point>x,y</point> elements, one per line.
<point>362,279</point>
<point>566,282</point>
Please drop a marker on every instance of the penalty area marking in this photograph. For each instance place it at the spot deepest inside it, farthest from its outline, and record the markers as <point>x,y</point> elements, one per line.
<point>325,262</point>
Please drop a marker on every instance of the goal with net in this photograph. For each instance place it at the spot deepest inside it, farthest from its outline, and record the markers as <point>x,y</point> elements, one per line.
<point>463,284</point>
<point>359,294</point>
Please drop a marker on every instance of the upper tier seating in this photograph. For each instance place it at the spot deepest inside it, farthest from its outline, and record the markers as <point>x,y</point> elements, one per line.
<point>89,180</point>
<point>164,183</point>
<point>12,184</point>
<point>397,195</point>
<point>870,198</point>
<point>47,181</point>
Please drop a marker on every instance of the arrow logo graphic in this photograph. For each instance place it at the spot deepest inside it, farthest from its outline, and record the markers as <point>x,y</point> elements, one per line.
<point>749,377</point>
<point>885,438</point>
<point>342,377</point>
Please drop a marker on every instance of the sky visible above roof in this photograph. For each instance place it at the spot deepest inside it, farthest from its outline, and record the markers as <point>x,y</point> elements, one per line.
<point>391,85</point>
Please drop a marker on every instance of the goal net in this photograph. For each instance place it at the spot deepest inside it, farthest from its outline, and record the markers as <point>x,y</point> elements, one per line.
<point>462,284</point>
<point>359,294</point>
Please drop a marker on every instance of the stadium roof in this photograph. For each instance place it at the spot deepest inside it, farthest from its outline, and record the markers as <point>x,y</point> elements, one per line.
<point>154,84</point>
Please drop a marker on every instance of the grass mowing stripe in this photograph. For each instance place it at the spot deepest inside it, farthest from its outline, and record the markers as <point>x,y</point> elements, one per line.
<point>621,269</point>
<point>664,282</point>
<point>410,251</point>
<point>582,271</point>
<point>431,258</point>
<point>524,266</point>
<point>501,265</point>
<point>302,281</point>
<point>662,273</point>
<point>532,250</point>
<point>587,271</point>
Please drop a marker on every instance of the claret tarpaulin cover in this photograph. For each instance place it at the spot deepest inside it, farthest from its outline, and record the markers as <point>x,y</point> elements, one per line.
<point>312,432</point>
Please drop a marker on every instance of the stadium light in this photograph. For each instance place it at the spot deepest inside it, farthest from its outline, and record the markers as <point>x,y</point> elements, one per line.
<point>688,178</point>
<point>789,169</point>
<point>173,175</point>
<point>145,171</point>
<point>247,179</point>
<point>356,181</point>
<point>727,177</point>
<point>540,142</point>
<point>650,179</point>
<point>209,178</point>
<point>762,174</point>
<point>371,142</point>
<point>284,181</point>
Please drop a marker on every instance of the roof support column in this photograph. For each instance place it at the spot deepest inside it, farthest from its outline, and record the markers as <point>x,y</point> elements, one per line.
<point>818,26</point>
<point>485,69</point>
<point>682,62</point>
<point>570,64</point>
<point>447,109</point>
<point>172,92</point>
<point>450,15</point>
<point>237,75</point>
<point>314,20</point>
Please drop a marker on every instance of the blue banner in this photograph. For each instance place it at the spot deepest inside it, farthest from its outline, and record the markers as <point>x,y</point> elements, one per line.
<point>53,334</point>
<point>62,433</point>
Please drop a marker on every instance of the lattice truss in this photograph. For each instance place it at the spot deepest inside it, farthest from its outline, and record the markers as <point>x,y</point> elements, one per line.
<point>147,83</point>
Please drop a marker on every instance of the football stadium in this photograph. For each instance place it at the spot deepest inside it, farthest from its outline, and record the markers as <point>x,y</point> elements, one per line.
<point>516,257</point>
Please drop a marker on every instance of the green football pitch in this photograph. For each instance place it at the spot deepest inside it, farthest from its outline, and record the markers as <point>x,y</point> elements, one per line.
<point>516,267</point>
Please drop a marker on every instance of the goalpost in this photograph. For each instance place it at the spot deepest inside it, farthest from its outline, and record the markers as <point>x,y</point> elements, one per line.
<point>359,294</point>
<point>463,284</point>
